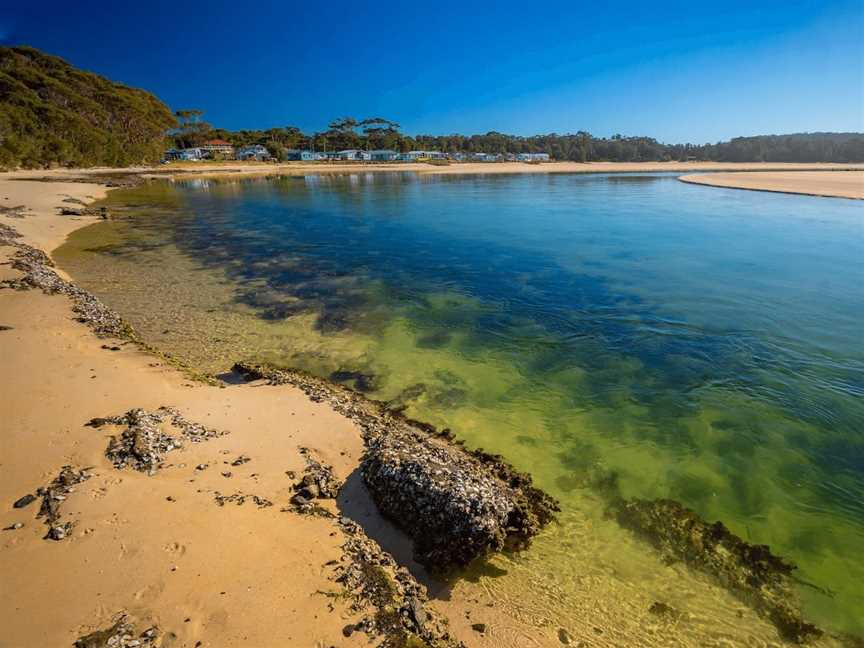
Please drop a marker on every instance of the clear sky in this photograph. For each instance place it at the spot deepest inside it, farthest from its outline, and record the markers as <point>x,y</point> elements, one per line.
<point>678,71</point>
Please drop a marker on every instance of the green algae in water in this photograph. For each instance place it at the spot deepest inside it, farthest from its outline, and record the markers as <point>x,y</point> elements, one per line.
<point>699,344</point>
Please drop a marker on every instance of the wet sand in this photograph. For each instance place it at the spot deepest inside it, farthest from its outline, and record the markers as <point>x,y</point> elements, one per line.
<point>159,547</point>
<point>837,184</point>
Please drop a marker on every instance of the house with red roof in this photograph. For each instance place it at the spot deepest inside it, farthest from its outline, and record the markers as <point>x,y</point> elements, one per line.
<point>218,148</point>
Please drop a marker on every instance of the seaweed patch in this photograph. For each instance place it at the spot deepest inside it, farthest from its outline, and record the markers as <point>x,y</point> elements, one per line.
<point>750,571</point>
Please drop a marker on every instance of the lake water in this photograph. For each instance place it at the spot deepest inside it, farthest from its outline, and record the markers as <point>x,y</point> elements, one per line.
<point>702,344</point>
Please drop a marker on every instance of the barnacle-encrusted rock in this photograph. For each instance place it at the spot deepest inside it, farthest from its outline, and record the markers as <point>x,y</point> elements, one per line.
<point>392,602</point>
<point>750,571</point>
<point>38,272</point>
<point>318,482</point>
<point>450,502</point>
<point>8,234</point>
<point>144,442</point>
<point>120,634</point>
<point>53,495</point>
<point>457,504</point>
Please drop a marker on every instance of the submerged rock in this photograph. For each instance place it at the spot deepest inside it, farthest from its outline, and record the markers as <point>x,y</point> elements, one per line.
<point>752,572</point>
<point>362,382</point>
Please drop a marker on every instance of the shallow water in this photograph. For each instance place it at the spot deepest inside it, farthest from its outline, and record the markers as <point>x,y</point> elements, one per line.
<point>701,344</point>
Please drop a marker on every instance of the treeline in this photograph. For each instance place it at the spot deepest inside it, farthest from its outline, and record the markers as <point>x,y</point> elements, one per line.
<point>379,133</point>
<point>53,114</point>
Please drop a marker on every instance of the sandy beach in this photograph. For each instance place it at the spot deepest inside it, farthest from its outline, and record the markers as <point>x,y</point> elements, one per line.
<point>169,549</point>
<point>838,184</point>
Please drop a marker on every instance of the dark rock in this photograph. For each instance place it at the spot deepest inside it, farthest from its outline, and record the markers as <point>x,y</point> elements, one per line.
<point>310,492</point>
<point>658,608</point>
<point>454,506</point>
<point>318,482</point>
<point>121,634</point>
<point>144,442</point>
<point>363,382</point>
<point>299,500</point>
<point>479,627</point>
<point>564,637</point>
<point>5,328</point>
<point>53,495</point>
<point>348,630</point>
<point>417,613</point>
<point>24,501</point>
<point>239,461</point>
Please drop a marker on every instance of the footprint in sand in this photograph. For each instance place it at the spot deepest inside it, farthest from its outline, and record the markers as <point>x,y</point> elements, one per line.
<point>175,548</point>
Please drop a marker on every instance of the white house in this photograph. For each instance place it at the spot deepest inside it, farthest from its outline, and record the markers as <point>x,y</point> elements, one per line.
<point>302,156</point>
<point>533,157</point>
<point>194,154</point>
<point>383,155</point>
<point>485,157</point>
<point>354,154</point>
<point>253,152</point>
<point>413,156</point>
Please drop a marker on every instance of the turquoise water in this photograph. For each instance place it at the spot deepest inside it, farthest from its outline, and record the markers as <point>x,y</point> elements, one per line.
<point>701,344</point>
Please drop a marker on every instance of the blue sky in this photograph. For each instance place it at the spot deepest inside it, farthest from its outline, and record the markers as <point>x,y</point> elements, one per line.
<point>678,71</point>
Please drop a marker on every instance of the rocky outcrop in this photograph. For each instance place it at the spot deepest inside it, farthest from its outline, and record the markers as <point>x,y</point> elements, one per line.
<point>455,507</point>
<point>457,504</point>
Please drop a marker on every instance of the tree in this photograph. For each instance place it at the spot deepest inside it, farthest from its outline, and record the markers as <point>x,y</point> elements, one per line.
<point>191,130</point>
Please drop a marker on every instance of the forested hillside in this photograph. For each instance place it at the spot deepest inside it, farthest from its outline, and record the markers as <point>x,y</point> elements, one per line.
<point>52,113</point>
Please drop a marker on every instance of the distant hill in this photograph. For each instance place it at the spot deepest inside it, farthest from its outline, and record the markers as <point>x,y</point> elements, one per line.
<point>797,147</point>
<point>52,113</point>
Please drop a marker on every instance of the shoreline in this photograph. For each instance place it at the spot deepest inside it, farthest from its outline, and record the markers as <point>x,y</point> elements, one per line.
<point>88,381</point>
<point>848,184</point>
